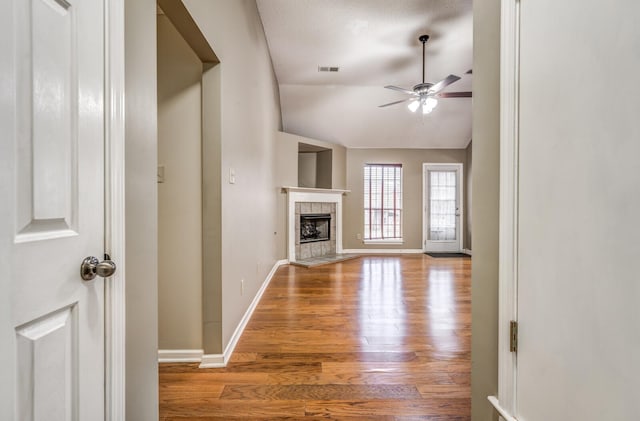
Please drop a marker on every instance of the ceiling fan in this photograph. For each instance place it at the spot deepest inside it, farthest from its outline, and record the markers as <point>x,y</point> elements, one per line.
<point>426,94</point>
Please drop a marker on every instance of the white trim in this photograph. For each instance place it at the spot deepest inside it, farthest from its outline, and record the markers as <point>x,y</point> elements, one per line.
<point>299,194</point>
<point>467,251</point>
<point>213,360</point>
<point>459,167</point>
<point>503,413</point>
<point>508,262</point>
<point>180,355</point>
<point>394,241</point>
<point>115,327</point>
<point>287,189</point>
<point>382,251</point>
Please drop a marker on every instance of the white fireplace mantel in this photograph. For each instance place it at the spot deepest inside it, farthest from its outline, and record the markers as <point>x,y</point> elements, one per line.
<point>287,189</point>
<point>304,194</point>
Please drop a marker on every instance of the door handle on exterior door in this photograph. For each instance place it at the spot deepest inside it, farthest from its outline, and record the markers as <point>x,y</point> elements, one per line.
<point>92,267</point>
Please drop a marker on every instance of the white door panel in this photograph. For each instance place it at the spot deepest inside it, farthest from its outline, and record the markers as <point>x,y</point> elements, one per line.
<point>57,217</point>
<point>578,289</point>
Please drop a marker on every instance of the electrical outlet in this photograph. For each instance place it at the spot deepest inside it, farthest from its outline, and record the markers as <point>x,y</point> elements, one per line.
<point>359,236</point>
<point>241,286</point>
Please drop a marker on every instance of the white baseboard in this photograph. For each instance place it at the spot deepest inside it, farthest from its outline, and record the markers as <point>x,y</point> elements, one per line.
<point>180,355</point>
<point>213,361</point>
<point>221,360</point>
<point>466,251</point>
<point>382,251</point>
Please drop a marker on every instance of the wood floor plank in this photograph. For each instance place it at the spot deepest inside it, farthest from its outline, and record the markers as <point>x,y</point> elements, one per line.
<point>434,391</point>
<point>320,392</point>
<point>339,356</point>
<point>422,407</point>
<point>238,357</point>
<point>208,377</point>
<point>405,377</point>
<point>199,386</point>
<point>394,367</point>
<point>285,418</point>
<point>208,407</point>
<point>378,338</point>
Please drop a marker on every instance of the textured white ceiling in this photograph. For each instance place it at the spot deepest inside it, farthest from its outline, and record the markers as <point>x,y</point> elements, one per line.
<point>375,43</point>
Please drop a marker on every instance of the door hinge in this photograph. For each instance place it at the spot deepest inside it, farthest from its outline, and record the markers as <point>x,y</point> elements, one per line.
<point>513,336</point>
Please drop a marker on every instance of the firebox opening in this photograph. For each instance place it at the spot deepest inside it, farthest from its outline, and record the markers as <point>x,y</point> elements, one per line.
<point>315,227</point>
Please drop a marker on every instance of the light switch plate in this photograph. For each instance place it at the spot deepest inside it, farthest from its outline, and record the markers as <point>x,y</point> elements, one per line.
<point>160,173</point>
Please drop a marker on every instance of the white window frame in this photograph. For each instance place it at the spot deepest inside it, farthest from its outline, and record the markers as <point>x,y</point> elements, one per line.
<point>385,241</point>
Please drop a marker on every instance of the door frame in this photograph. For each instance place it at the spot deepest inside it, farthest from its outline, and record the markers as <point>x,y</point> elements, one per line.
<point>425,200</point>
<point>114,112</point>
<point>505,403</point>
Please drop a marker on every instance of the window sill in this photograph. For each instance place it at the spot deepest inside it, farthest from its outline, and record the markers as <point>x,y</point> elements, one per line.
<point>388,242</point>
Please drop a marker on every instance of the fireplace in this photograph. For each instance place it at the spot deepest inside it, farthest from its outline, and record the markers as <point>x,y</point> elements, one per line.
<point>303,204</point>
<point>315,227</point>
<point>315,232</point>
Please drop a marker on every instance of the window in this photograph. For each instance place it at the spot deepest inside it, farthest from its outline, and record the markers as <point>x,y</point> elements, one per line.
<point>383,202</point>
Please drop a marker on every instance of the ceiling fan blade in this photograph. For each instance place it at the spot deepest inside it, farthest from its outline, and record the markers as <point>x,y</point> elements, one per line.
<point>396,102</point>
<point>443,84</point>
<point>406,91</point>
<point>455,95</point>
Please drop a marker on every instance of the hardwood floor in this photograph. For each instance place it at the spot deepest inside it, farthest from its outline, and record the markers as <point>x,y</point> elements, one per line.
<point>375,338</point>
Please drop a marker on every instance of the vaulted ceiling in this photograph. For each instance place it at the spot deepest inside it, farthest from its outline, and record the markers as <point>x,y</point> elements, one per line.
<point>374,43</point>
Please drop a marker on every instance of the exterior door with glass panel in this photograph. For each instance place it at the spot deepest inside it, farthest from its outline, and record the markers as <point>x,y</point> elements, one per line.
<point>442,207</point>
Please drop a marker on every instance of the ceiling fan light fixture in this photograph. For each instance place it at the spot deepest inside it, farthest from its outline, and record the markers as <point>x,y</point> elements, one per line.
<point>424,93</point>
<point>428,105</point>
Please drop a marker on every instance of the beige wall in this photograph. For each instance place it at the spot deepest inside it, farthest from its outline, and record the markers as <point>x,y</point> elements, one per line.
<point>250,115</point>
<point>288,160</point>
<point>315,169</point>
<point>212,210</point>
<point>485,186</point>
<point>411,160</point>
<point>180,195</point>
<point>307,169</point>
<point>141,211</point>
<point>324,169</point>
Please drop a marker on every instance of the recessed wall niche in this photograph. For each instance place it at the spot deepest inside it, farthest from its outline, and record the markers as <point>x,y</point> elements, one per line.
<point>314,166</point>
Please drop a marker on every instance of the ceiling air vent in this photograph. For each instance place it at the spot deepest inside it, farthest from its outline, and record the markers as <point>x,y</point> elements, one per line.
<point>328,69</point>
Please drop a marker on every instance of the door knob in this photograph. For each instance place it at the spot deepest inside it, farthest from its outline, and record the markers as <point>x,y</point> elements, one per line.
<point>91,267</point>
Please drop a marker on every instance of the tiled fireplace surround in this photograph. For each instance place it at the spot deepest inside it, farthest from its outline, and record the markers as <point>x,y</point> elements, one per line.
<point>313,201</point>
<point>319,248</point>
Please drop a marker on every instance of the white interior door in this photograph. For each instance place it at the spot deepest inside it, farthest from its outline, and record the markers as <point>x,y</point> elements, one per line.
<point>442,207</point>
<point>53,116</point>
<point>578,201</point>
